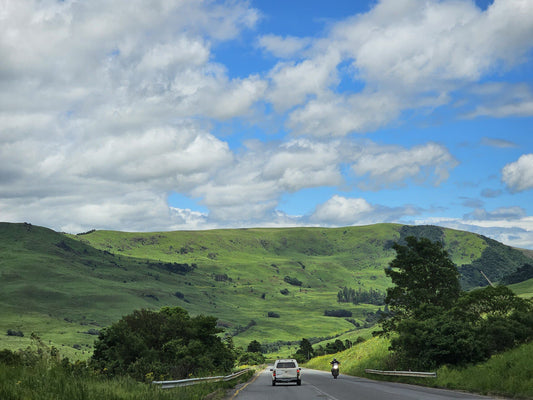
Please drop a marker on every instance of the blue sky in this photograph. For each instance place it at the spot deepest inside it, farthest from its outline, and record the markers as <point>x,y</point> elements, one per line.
<point>164,115</point>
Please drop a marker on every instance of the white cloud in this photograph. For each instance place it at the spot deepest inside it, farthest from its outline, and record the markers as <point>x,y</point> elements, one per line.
<point>500,100</point>
<point>410,55</point>
<point>343,211</point>
<point>283,47</point>
<point>293,83</point>
<point>518,175</point>
<point>340,210</point>
<point>392,166</point>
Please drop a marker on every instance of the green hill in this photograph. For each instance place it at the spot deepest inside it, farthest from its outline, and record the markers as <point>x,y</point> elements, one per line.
<point>67,287</point>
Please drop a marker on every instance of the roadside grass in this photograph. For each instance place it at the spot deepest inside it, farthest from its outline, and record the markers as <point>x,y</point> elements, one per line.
<point>373,354</point>
<point>46,381</point>
<point>507,374</point>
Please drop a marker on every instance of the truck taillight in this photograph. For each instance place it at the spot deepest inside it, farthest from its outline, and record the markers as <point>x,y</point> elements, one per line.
<point>274,373</point>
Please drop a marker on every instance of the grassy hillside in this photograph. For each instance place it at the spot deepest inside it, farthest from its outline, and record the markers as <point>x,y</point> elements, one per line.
<point>523,289</point>
<point>67,287</point>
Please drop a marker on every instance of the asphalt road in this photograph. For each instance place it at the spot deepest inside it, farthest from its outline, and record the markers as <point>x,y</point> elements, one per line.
<point>320,385</point>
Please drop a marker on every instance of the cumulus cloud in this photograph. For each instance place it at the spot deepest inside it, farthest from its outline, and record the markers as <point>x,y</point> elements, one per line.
<point>342,211</point>
<point>392,166</point>
<point>518,175</point>
<point>283,47</point>
<point>419,53</point>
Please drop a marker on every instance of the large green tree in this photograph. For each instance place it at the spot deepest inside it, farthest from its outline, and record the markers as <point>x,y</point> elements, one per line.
<point>435,324</point>
<point>168,343</point>
<point>422,274</point>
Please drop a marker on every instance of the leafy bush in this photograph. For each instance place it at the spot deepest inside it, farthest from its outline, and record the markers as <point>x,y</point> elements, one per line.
<point>349,295</point>
<point>292,281</point>
<point>167,343</point>
<point>338,313</point>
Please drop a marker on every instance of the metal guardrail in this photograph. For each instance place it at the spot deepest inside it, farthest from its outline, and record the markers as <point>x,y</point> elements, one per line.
<point>194,381</point>
<point>402,373</point>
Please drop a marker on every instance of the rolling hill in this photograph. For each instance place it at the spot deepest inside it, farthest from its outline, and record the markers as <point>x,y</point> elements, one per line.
<point>272,285</point>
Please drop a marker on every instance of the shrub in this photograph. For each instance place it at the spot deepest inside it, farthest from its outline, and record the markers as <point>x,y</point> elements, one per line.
<point>292,281</point>
<point>338,313</point>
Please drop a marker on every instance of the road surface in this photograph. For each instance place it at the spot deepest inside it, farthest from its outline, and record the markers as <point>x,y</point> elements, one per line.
<point>320,385</point>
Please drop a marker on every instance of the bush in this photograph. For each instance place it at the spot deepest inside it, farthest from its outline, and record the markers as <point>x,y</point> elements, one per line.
<point>292,281</point>
<point>272,314</point>
<point>12,332</point>
<point>168,343</point>
<point>338,313</point>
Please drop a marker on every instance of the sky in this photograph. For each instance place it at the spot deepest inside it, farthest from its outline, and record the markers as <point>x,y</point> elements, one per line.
<point>186,114</point>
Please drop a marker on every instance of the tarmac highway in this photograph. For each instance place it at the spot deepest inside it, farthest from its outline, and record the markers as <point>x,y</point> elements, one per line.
<point>320,385</point>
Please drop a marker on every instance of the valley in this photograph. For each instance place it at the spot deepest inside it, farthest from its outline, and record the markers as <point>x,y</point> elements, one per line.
<point>271,285</point>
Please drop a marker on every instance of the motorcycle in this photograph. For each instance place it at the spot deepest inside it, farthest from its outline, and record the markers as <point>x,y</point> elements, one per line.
<point>335,370</point>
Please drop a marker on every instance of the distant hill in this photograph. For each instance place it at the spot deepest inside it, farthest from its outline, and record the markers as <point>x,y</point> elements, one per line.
<point>265,284</point>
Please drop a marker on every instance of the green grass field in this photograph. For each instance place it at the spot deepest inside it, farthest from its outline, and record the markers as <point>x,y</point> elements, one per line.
<point>66,288</point>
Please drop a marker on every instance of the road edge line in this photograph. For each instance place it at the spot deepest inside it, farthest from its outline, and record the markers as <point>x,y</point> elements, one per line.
<point>247,383</point>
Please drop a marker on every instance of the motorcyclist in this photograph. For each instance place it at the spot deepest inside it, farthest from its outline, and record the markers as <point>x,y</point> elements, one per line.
<point>335,368</point>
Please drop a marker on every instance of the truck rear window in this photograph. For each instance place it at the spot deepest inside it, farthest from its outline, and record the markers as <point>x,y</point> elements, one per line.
<point>286,365</point>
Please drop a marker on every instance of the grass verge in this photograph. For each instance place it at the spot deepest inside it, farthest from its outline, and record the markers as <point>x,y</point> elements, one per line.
<point>45,381</point>
<point>507,374</point>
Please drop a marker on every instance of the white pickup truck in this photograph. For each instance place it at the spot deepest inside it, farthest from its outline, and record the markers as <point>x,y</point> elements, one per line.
<point>286,371</point>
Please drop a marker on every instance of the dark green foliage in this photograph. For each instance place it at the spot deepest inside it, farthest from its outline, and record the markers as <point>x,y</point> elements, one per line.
<point>305,352</point>
<point>175,268</point>
<point>284,292</point>
<point>481,323</point>
<point>522,274</point>
<point>292,281</point>
<point>349,295</point>
<point>254,347</point>
<point>338,313</point>
<point>13,332</point>
<point>249,358</point>
<point>430,232</point>
<point>435,325</point>
<point>425,344</point>
<point>335,347</point>
<point>272,314</point>
<point>168,343</point>
<point>422,273</point>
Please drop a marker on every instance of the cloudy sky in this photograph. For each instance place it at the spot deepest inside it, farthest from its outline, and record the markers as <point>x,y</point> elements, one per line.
<point>186,114</point>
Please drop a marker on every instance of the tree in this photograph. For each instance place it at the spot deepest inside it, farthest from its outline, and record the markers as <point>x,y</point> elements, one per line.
<point>422,273</point>
<point>254,347</point>
<point>306,349</point>
<point>165,343</point>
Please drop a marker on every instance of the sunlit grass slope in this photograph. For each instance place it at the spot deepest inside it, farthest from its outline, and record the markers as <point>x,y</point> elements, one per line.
<point>506,374</point>
<point>523,289</point>
<point>66,288</point>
